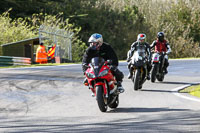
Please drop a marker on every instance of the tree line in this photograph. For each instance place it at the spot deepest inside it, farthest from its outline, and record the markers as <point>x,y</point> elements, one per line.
<point>119,21</point>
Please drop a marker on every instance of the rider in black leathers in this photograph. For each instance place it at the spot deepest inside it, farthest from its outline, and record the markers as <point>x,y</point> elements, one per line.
<point>134,47</point>
<point>98,48</point>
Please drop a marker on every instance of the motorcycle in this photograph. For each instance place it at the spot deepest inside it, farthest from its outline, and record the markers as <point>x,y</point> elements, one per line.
<point>102,83</point>
<point>139,68</point>
<point>158,61</point>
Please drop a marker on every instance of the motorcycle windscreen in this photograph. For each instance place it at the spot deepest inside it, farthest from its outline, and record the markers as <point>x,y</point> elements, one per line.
<point>139,57</point>
<point>97,63</point>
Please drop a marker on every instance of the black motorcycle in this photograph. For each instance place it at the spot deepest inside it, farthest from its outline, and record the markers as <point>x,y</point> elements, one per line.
<point>139,68</point>
<point>158,62</point>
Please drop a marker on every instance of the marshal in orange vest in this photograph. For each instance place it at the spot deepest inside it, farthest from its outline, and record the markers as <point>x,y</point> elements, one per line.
<point>41,55</point>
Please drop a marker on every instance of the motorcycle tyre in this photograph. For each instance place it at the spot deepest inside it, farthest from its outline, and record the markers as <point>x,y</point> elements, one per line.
<point>160,77</point>
<point>100,99</point>
<point>136,82</point>
<point>115,103</point>
<point>153,74</point>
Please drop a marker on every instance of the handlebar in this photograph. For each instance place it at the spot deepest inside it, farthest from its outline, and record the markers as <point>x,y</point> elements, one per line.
<point>159,52</point>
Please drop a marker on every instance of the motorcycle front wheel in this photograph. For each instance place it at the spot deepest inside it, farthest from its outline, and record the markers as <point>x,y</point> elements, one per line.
<point>101,100</point>
<point>136,82</point>
<point>153,73</point>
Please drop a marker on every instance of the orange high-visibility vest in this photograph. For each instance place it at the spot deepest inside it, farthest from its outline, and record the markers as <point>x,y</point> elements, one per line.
<point>41,55</point>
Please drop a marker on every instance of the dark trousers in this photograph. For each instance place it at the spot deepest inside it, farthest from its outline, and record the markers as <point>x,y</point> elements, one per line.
<point>118,74</point>
<point>166,63</point>
<point>149,66</point>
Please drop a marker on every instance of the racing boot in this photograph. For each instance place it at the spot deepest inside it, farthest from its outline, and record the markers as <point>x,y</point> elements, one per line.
<point>165,70</point>
<point>85,82</point>
<point>119,87</point>
<point>92,94</point>
<point>130,75</point>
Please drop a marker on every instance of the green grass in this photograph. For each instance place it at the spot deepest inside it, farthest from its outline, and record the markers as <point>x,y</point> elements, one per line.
<point>193,90</point>
<point>185,58</point>
<point>35,65</point>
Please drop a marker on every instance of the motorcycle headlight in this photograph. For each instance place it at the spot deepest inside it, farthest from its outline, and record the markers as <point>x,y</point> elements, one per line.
<point>105,72</point>
<point>140,57</point>
<point>90,75</point>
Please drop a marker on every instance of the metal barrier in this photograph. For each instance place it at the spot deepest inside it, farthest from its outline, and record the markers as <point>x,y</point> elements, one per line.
<point>13,61</point>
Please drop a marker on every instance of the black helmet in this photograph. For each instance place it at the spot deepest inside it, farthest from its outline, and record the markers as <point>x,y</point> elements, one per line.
<point>161,36</point>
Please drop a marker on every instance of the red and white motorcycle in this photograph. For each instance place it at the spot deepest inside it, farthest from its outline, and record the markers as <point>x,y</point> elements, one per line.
<point>102,83</point>
<point>158,62</point>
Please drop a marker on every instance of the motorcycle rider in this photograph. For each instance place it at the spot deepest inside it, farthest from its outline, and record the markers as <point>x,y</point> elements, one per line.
<point>98,48</point>
<point>161,45</point>
<point>134,47</point>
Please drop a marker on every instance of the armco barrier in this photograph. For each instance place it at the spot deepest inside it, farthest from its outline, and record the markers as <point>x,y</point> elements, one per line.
<point>12,61</point>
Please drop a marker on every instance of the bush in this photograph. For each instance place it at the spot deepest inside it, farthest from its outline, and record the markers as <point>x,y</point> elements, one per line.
<point>25,28</point>
<point>14,30</point>
<point>181,25</point>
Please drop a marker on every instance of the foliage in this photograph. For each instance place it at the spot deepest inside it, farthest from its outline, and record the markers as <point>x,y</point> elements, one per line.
<point>78,49</point>
<point>24,28</point>
<point>57,22</point>
<point>14,30</point>
<point>118,27</point>
<point>183,33</point>
<point>119,21</point>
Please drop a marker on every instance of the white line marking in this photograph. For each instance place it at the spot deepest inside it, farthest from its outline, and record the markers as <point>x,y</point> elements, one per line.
<point>182,96</point>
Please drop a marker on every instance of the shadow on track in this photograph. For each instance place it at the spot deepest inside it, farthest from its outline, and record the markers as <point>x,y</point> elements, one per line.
<point>168,91</point>
<point>169,122</point>
<point>170,82</point>
<point>143,110</point>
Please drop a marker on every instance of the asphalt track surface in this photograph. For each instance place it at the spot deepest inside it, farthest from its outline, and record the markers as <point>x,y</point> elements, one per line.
<point>53,99</point>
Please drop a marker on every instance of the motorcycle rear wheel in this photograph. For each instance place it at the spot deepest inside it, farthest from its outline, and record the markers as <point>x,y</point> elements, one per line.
<point>101,99</point>
<point>160,77</point>
<point>115,103</point>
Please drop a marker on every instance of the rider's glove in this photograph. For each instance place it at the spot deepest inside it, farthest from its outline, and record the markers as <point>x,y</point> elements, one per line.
<point>128,59</point>
<point>167,53</point>
<point>113,68</point>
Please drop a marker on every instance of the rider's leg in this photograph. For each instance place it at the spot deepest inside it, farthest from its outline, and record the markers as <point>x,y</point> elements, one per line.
<point>148,70</point>
<point>128,56</point>
<point>119,76</point>
<point>166,65</point>
<point>130,75</point>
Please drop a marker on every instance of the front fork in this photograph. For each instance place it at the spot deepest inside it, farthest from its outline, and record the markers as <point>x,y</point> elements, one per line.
<point>105,88</point>
<point>133,69</point>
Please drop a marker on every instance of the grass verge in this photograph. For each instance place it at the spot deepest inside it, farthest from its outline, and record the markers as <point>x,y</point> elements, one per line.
<point>193,90</point>
<point>35,65</point>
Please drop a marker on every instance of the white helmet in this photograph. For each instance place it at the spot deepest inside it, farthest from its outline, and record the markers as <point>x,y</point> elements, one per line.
<point>141,37</point>
<point>96,38</point>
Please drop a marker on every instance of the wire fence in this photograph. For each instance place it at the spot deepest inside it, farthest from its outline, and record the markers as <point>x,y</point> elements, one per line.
<point>60,37</point>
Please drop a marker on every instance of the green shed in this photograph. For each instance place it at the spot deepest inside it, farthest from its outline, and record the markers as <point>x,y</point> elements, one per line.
<point>23,48</point>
